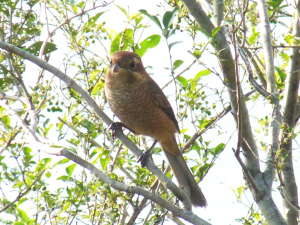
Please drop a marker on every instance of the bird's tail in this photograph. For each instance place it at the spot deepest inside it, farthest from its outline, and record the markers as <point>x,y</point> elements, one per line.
<point>183,174</point>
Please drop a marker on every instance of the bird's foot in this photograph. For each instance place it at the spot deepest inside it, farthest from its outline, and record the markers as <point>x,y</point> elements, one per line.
<point>145,156</point>
<point>114,127</point>
<point>118,125</point>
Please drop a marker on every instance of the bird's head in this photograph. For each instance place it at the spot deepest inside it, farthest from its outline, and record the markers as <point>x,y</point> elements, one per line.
<point>126,69</point>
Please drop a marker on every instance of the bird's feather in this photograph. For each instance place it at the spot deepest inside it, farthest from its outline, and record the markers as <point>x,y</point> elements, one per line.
<point>162,102</point>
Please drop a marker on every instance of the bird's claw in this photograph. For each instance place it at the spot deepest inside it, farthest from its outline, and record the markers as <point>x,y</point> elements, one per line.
<point>114,127</point>
<point>143,158</point>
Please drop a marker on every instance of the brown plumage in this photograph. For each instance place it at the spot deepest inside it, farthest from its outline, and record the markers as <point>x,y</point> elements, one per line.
<point>140,104</point>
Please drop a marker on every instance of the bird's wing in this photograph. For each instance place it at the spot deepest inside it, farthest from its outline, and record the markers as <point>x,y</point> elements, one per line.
<point>162,102</point>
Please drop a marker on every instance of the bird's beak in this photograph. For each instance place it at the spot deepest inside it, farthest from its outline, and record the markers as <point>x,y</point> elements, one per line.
<point>116,68</point>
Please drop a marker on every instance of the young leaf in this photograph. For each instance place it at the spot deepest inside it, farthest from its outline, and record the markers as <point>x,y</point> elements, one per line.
<point>35,48</point>
<point>253,37</point>
<point>23,215</point>
<point>215,31</point>
<point>202,74</point>
<point>104,159</point>
<point>281,74</point>
<point>123,10</point>
<point>153,18</point>
<point>177,63</point>
<point>149,42</point>
<point>92,21</point>
<point>70,169</point>
<point>168,17</point>
<point>174,43</point>
<point>183,81</point>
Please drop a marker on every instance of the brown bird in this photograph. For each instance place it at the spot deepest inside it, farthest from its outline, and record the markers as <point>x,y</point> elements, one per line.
<point>140,104</point>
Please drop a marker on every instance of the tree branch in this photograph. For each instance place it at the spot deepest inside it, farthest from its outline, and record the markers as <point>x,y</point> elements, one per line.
<point>289,113</point>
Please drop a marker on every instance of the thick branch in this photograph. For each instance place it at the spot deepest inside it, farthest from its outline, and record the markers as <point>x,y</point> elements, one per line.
<point>289,114</point>
<point>265,32</point>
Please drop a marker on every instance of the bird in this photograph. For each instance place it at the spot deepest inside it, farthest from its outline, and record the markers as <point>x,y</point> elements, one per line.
<point>137,100</point>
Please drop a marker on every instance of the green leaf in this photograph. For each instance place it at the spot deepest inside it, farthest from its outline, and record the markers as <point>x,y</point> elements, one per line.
<point>48,174</point>
<point>70,169</point>
<point>289,38</point>
<point>168,17</point>
<point>253,37</point>
<point>281,74</point>
<point>92,21</point>
<point>21,201</point>
<point>127,39</point>
<point>6,120</point>
<point>272,4</point>
<point>174,43</point>
<point>31,3</point>
<point>202,74</point>
<point>219,148</point>
<point>202,31</point>
<point>104,159</point>
<point>149,42</point>
<point>204,123</point>
<point>215,31</point>
<point>153,18</point>
<point>65,178</point>
<point>115,44</point>
<point>81,4</point>
<point>183,131</point>
<point>23,215</point>
<point>27,150</point>
<point>97,90</point>
<point>66,206</point>
<point>43,164</point>
<point>123,10</point>
<point>88,125</point>
<point>177,63</point>
<point>63,161</point>
<point>182,81</point>
<point>137,17</point>
<point>36,47</point>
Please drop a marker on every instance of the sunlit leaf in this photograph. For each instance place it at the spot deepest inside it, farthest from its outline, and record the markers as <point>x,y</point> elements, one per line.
<point>168,17</point>
<point>104,159</point>
<point>149,42</point>
<point>153,18</point>
<point>23,215</point>
<point>202,73</point>
<point>70,169</point>
<point>36,47</point>
<point>215,31</point>
<point>182,81</point>
<point>177,63</point>
<point>281,74</point>
<point>123,10</point>
<point>253,37</point>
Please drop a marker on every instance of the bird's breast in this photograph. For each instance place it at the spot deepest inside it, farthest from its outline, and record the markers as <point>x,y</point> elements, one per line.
<point>137,110</point>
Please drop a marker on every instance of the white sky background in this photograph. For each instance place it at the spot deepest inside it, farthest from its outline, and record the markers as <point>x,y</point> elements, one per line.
<point>226,174</point>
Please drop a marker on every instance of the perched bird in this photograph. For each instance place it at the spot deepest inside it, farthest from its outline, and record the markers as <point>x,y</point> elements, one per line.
<point>140,104</point>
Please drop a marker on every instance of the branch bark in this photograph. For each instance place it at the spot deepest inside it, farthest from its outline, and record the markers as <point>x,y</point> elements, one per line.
<point>289,117</point>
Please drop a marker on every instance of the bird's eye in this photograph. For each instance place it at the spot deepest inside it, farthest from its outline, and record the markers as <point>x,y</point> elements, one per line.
<point>132,65</point>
